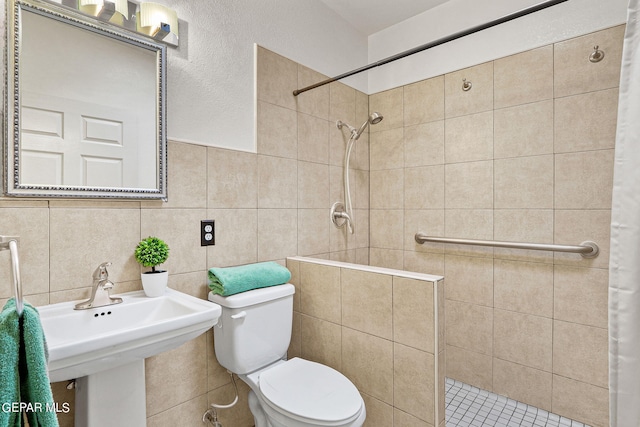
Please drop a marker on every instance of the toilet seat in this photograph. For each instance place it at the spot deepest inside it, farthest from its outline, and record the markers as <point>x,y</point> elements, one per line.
<point>311,392</point>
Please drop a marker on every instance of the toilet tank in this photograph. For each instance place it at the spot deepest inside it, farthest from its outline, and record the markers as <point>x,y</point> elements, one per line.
<point>254,329</point>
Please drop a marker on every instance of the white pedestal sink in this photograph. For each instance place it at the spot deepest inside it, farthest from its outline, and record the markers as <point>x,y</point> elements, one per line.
<point>104,349</point>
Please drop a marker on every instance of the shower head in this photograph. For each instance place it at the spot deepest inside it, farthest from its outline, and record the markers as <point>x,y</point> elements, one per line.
<point>374,119</point>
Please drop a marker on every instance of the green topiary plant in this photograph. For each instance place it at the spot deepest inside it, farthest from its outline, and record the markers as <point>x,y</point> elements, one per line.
<point>151,252</point>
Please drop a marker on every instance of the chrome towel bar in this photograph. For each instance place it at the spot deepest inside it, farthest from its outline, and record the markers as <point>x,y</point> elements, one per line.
<point>587,249</point>
<point>11,243</point>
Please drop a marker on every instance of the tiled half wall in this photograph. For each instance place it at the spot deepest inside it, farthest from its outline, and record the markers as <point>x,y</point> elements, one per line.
<point>381,328</point>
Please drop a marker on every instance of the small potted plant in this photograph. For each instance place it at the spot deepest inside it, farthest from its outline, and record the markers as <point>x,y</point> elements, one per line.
<point>151,252</point>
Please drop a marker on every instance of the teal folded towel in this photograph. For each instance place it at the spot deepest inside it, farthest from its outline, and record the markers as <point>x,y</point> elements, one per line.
<point>9,374</point>
<point>35,389</point>
<point>24,378</point>
<point>232,280</point>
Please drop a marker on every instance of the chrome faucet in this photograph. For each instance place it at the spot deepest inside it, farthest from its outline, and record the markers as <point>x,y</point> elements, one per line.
<point>101,290</point>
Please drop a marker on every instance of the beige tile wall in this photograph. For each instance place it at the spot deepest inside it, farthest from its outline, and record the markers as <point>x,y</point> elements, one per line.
<point>300,163</point>
<point>380,328</point>
<point>267,206</point>
<point>525,155</point>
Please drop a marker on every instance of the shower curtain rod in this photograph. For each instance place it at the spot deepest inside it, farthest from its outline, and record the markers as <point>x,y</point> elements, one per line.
<point>443,40</point>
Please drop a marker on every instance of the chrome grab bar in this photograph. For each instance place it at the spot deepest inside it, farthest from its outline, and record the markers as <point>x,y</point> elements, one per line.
<point>11,243</point>
<point>587,249</point>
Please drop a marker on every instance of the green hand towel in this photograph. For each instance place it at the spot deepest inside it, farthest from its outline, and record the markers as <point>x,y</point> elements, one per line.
<point>232,280</point>
<point>9,374</point>
<point>35,389</point>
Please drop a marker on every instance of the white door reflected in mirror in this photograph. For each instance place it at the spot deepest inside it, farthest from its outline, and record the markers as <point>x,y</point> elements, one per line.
<point>89,101</point>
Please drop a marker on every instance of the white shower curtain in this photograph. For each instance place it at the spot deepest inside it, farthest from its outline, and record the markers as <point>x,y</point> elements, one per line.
<point>624,276</point>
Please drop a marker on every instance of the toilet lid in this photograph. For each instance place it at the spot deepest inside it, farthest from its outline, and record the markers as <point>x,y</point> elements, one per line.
<point>310,390</point>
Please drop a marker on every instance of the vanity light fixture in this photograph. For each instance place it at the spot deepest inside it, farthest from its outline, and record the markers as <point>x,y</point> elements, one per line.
<point>148,18</point>
<point>159,22</point>
<point>105,9</point>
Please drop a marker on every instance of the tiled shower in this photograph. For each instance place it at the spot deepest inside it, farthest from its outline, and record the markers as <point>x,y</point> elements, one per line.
<point>525,155</point>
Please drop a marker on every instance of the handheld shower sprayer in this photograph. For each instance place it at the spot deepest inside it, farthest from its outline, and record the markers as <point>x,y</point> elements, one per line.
<point>342,213</point>
<point>374,119</point>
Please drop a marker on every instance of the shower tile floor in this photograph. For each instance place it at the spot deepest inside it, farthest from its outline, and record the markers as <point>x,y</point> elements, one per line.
<point>468,406</point>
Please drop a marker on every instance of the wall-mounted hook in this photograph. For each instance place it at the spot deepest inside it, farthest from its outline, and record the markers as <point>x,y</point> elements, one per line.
<point>466,86</point>
<point>596,55</point>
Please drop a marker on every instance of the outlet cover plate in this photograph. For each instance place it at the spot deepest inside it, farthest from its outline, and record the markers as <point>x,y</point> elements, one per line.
<point>207,232</point>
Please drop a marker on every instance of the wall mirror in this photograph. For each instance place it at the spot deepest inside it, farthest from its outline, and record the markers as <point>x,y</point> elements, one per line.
<point>85,107</point>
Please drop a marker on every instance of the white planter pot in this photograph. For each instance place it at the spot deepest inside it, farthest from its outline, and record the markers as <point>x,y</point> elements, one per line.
<point>155,284</point>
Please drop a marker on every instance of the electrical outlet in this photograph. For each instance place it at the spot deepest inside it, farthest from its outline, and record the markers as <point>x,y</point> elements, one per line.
<point>207,232</point>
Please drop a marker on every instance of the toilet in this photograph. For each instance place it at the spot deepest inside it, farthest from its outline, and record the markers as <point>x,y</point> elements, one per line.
<point>251,340</point>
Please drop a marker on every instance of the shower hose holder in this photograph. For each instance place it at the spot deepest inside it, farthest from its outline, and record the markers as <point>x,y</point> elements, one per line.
<point>339,215</point>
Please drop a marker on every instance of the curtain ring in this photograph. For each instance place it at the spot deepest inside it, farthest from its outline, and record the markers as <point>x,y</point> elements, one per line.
<point>466,86</point>
<point>596,55</point>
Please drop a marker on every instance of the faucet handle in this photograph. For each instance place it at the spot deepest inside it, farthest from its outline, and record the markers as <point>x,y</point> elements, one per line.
<point>101,272</point>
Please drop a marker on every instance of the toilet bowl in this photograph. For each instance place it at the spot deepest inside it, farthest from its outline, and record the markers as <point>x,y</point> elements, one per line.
<point>251,340</point>
<point>301,393</point>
